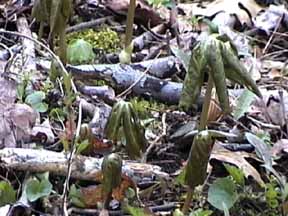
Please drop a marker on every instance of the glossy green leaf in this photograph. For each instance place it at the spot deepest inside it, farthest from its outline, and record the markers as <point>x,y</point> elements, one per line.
<point>222,193</point>
<point>36,189</point>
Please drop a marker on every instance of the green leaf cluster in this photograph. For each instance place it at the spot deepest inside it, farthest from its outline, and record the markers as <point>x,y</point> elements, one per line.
<point>106,39</point>
<point>123,116</point>
<point>35,99</point>
<point>56,13</point>
<point>37,188</point>
<point>112,172</point>
<point>217,55</point>
<point>7,193</point>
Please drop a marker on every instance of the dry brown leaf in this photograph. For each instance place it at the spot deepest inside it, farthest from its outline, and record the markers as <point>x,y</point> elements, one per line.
<point>227,6</point>
<point>237,159</point>
<point>279,147</point>
<point>16,123</point>
<point>143,12</point>
<point>92,195</point>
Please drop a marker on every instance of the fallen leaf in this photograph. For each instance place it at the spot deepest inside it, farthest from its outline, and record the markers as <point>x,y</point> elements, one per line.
<point>237,159</point>
<point>279,147</point>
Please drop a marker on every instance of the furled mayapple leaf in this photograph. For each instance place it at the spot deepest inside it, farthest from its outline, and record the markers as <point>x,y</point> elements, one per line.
<point>40,10</point>
<point>112,172</point>
<point>217,71</point>
<point>123,115</point>
<point>220,59</point>
<point>132,133</point>
<point>138,129</point>
<point>60,13</point>
<point>115,121</point>
<point>194,79</point>
<point>236,71</point>
<point>198,159</point>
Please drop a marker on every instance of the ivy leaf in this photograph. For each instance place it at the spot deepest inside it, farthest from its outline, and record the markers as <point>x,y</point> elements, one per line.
<point>222,193</point>
<point>79,52</point>
<point>7,193</point>
<point>36,189</point>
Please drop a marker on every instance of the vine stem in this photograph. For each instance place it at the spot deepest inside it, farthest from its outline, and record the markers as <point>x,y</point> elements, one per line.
<point>202,126</point>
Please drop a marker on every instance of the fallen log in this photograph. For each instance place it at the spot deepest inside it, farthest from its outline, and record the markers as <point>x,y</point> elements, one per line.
<point>83,168</point>
<point>123,76</point>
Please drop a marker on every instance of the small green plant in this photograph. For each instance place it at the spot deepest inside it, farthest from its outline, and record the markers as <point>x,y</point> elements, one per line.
<point>123,117</point>
<point>143,106</point>
<point>7,193</point>
<point>80,52</point>
<point>56,14</point>
<point>222,194</point>
<point>112,174</point>
<point>217,55</point>
<point>38,187</point>
<point>158,3</point>
<point>272,195</point>
<point>35,99</point>
<point>105,39</point>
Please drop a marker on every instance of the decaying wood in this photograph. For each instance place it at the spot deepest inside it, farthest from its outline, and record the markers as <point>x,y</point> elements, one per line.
<point>28,45</point>
<point>84,168</point>
<point>123,76</point>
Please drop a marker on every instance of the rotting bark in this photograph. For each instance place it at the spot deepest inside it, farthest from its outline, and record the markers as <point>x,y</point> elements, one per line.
<point>123,76</point>
<point>84,168</point>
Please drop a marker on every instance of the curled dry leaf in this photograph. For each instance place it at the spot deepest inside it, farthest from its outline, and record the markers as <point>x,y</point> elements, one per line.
<point>16,124</point>
<point>237,159</point>
<point>279,148</point>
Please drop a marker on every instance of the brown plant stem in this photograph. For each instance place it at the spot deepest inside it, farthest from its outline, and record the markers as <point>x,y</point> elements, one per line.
<point>202,126</point>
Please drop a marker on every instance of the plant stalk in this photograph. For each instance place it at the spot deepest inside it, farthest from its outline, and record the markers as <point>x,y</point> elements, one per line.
<point>202,126</point>
<point>129,24</point>
<point>206,104</point>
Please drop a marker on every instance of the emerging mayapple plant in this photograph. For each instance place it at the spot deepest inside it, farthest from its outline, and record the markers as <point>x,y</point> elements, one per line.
<point>123,116</point>
<point>217,55</point>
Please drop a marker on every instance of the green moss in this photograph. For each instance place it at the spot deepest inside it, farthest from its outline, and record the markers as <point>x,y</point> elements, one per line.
<point>144,107</point>
<point>106,39</point>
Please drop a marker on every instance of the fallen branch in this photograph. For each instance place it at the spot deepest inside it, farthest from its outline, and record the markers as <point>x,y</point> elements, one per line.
<point>82,167</point>
<point>123,76</point>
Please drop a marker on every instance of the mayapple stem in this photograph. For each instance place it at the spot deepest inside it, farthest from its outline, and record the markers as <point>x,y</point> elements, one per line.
<point>202,126</point>
<point>129,24</point>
